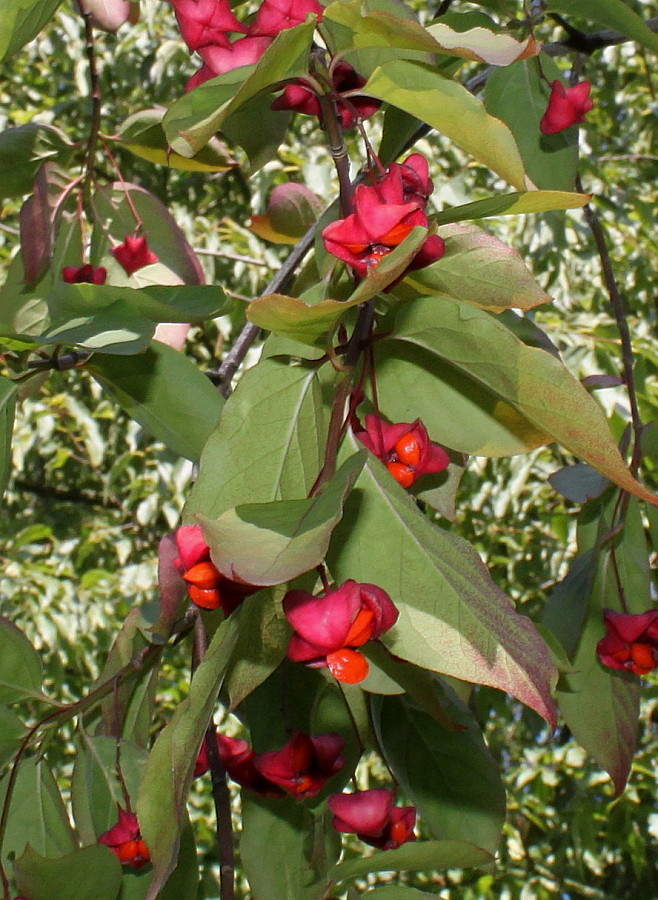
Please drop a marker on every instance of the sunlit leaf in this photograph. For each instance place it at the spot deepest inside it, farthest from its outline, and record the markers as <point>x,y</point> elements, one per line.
<point>512,205</point>
<point>269,543</point>
<point>480,269</point>
<point>452,110</point>
<point>269,443</point>
<point>142,133</point>
<point>534,382</point>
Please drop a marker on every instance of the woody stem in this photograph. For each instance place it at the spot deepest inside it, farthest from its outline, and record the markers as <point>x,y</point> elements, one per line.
<point>220,792</point>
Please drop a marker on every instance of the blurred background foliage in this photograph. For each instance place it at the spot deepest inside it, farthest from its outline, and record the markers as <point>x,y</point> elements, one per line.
<point>92,494</point>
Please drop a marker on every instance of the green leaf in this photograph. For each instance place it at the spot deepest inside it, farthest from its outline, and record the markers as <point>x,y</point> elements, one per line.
<point>449,776</point>
<point>183,883</point>
<point>22,20</point>
<point>91,873</point>
<point>7,413</point>
<point>512,205</point>
<point>36,814</point>
<point>161,803</point>
<point>12,730</point>
<point>519,96</point>
<point>142,133</point>
<point>120,320</point>
<point>453,618</point>
<point>611,13</point>
<point>447,106</point>
<point>285,850</point>
<point>196,117</point>
<point>165,392</point>
<point>260,647</point>
<point>479,269</point>
<point>534,382</point>
<point>96,791</point>
<point>292,318</point>
<point>23,150</point>
<point>421,856</point>
<point>20,665</point>
<point>269,543</point>
<point>269,444</point>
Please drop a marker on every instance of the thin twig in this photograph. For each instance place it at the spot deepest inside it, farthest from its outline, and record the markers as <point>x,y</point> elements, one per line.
<point>96,103</point>
<point>231,363</point>
<point>620,315</point>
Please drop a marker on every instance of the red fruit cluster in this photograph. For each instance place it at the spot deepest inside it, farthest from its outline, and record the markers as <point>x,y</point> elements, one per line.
<point>84,274</point>
<point>384,214</point>
<point>301,768</point>
<point>328,627</point>
<point>208,27</point>
<point>566,107</point>
<point>373,818</point>
<point>350,106</point>
<point>133,254</point>
<point>125,840</point>
<point>631,642</point>
<point>405,449</point>
<point>206,586</point>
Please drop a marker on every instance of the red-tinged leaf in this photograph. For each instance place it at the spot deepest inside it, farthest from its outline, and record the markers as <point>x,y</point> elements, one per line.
<point>535,383</point>
<point>171,587</point>
<point>480,269</point>
<point>453,618</point>
<point>162,802</point>
<point>37,223</point>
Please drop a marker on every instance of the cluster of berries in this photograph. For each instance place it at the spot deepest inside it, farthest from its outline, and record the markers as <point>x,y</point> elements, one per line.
<point>385,213</point>
<point>405,449</point>
<point>631,641</point>
<point>301,768</point>
<point>210,29</point>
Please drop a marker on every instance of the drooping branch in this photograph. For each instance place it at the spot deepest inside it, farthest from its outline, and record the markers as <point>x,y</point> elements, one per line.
<point>96,101</point>
<point>620,314</point>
